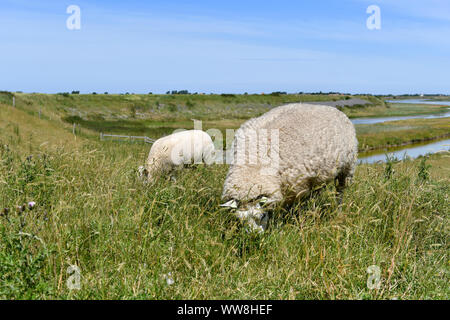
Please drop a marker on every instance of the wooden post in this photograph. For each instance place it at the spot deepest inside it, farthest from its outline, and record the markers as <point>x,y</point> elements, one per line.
<point>14,101</point>
<point>101,136</point>
<point>73,130</point>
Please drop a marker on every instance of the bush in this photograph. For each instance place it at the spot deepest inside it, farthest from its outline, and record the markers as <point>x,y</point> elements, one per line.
<point>424,169</point>
<point>72,119</point>
<point>190,104</point>
<point>133,110</point>
<point>172,107</point>
<point>278,93</point>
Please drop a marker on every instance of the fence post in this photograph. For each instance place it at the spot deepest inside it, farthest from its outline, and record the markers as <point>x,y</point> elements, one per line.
<point>101,136</point>
<point>73,130</point>
<point>14,101</point>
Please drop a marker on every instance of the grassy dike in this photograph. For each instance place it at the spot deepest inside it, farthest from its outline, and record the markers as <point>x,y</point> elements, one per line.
<point>91,211</point>
<point>158,115</point>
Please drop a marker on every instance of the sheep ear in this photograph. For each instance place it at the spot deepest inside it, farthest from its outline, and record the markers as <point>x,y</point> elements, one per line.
<point>230,204</point>
<point>265,201</point>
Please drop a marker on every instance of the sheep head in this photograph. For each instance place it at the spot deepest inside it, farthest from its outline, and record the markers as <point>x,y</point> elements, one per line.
<point>143,173</point>
<point>255,214</point>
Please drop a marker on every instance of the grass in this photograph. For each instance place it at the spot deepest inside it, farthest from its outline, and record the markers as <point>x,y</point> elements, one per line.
<point>161,107</point>
<point>91,211</point>
<point>203,107</point>
<point>159,115</point>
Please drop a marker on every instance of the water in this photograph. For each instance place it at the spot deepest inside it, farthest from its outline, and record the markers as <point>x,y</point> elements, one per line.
<point>412,101</point>
<point>386,119</point>
<point>411,151</point>
<point>421,101</point>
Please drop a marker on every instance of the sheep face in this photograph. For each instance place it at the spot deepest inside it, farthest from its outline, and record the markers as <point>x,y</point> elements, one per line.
<point>142,173</point>
<point>255,214</point>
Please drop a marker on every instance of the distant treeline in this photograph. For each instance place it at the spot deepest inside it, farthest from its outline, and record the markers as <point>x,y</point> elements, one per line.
<point>275,93</point>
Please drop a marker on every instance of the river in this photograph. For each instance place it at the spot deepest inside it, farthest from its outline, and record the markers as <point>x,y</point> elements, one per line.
<point>412,150</point>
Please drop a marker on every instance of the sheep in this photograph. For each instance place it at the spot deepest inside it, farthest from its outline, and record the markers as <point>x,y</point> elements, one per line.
<point>177,149</point>
<point>310,146</point>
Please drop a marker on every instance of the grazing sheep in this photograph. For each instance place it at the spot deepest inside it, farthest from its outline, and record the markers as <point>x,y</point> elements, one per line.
<point>310,146</point>
<point>181,148</point>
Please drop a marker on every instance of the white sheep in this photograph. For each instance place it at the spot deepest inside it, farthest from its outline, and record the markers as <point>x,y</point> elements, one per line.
<point>300,147</point>
<point>178,149</point>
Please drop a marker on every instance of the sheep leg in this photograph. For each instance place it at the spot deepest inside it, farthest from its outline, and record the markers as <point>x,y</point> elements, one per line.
<point>342,180</point>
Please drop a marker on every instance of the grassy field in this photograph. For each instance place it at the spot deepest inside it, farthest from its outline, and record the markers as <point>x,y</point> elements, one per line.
<point>158,115</point>
<point>128,239</point>
<point>159,107</point>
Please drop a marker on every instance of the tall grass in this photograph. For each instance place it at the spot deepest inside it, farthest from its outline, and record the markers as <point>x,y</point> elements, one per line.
<point>92,211</point>
<point>124,236</point>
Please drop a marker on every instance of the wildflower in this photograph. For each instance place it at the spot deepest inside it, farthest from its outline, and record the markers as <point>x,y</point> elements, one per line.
<point>31,205</point>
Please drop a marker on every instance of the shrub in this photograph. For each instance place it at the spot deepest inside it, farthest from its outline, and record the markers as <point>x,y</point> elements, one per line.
<point>133,110</point>
<point>190,104</point>
<point>389,167</point>
<point>278,93</point>
<point>424,169</point>
<point>72,119</point>
<point>172,107</point>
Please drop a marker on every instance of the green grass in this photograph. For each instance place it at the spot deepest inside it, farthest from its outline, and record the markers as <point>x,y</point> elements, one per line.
<point>158,115</point>
<point>124,236</point>
<point>160,107</point>
<point>204,107</point>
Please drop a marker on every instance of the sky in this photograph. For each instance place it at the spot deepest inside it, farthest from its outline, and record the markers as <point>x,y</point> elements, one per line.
<point>225,46</point>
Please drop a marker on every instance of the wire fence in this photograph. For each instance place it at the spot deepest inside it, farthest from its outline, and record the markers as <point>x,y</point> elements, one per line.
<point>104,136</point>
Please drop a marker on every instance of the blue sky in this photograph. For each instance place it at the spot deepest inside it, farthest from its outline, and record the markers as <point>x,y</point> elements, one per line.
<point>225,46</point>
